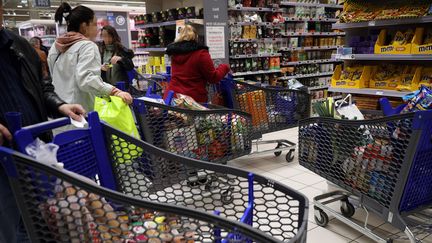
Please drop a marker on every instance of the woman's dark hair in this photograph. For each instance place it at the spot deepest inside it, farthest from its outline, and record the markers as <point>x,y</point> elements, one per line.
<point>74,17</point>
<point>116,39</point>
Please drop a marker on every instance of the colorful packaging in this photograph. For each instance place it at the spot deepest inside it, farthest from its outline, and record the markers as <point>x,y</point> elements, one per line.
<point>187,102</point>
<point>422,101</point>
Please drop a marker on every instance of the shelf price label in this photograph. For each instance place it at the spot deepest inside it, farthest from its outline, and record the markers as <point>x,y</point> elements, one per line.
<point>379,93</point>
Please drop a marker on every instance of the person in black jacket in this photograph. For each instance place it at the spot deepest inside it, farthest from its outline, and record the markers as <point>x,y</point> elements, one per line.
<point>116,59</point>
<point>23,89</point>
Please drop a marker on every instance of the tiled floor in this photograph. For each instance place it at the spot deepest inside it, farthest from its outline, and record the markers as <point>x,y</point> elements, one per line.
<point>311,185</point>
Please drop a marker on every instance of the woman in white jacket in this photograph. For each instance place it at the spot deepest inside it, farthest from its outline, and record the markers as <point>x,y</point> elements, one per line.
<point>74,59</point>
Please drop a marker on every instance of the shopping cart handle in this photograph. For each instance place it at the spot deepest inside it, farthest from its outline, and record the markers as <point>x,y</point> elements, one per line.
<point>43,127</point>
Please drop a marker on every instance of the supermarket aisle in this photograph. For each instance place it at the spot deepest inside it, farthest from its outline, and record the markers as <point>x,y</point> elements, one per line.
<point>311,185</point>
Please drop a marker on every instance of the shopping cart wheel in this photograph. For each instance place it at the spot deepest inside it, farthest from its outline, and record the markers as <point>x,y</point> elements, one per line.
<point>321,217</point>
<point>290,156</point>
<point>277,154</point>
<point>227,196</point>
<point>346,208</point>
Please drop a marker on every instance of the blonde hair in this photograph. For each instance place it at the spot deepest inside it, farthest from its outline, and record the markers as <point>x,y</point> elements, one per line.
<point>187,33</point>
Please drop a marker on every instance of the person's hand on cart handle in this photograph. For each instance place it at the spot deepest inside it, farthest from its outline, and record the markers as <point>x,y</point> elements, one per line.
<point>115,59</point>
<point>73,111</point>
<point>4,134</point>
<point>126,97</point>
<point>105,67</point>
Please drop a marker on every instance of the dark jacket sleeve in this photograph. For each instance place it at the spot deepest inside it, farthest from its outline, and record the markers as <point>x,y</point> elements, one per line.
<point>52,100</point>
<point>41,89</point>
<point>211,74</point>
<point>126,62</point>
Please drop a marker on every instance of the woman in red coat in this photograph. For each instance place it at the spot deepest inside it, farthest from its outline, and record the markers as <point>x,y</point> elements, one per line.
<point>192,67</point>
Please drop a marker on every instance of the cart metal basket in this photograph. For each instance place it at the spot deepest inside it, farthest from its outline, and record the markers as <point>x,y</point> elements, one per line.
<point>141,170</point>
<point>272,109</point>
<point>216,135</point>
<point>60,206</point>
<point>385,162</point>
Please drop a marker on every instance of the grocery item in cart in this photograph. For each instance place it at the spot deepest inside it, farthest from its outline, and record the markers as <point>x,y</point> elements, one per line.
<point>255,103</point>
<point>422,101</point>
<point>187,102</point>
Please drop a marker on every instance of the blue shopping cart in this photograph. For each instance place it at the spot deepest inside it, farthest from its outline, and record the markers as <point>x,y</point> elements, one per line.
<point>136,168</point>
<point>385,163</point>
<point>272,109</point>
<point>79,210</point>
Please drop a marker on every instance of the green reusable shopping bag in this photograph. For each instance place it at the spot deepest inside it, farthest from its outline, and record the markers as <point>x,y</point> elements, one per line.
<point>117,113</point>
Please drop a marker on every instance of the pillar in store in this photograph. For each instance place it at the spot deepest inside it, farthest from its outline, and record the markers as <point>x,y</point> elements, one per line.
<point>216,29</point>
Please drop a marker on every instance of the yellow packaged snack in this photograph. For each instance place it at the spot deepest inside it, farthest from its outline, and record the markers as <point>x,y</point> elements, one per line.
<point>426,77</point>
<point>386,76</point>
<point>406,83</point>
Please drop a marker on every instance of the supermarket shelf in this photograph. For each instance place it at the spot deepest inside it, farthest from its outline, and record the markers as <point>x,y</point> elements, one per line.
<point>309,62</point>
<point>297,4</point>
<point>256,23</point>
<point>308,48</point>
<point>168,23</point>
<point>257,40</point>
<point>380,57</point>
<point>256,55</point>
<point>256,72</point>
<point>318,87</point>
<point>307,75</point>
<point>154,49</point>
<point>141,53</point>
<point>289,34</point>
<point>299,19</point>
<point>384,22</point>
<point>253,9</point>
<point>377,92</point>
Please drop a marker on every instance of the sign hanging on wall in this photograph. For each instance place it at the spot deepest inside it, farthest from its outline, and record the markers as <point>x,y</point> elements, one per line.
<point>42,3</point>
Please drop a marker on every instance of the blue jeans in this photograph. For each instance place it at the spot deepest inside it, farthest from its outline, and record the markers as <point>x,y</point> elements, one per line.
<point>11,226</point>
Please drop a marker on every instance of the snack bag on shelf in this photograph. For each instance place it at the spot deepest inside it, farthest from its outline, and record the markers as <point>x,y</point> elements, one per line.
<point>386,76</point>
<point>407,79</point>
<point>426,77</point>
<point>187,102</point>
<point>403,38</point>
<point>355,76</point>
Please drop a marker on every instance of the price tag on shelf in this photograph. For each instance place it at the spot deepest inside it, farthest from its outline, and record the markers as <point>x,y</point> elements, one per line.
<point>372,23</point>
<point>379,93</point>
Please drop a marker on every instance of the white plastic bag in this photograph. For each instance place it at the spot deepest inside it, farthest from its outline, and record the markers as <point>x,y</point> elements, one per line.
<point>43,152</point>
<point>350,111</point>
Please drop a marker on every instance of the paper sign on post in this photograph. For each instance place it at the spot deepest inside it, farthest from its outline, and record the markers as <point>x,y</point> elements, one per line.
<point>216,41</point>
